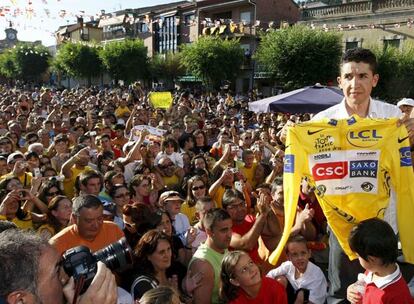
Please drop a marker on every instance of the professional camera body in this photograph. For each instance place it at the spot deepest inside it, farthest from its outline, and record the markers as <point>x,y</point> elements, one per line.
<point>81,264</point>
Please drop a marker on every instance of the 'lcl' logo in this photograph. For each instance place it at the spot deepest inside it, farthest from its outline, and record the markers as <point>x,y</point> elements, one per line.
<point>364,134</point>
<point>334,170</point>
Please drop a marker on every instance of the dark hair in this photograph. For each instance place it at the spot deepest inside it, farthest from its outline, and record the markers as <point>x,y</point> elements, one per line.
<point>20,253</point>
<point>104,156</point>
<point>213,216</point>
<point>5,225</point>
<point>184,139</point>
<point>197,132</point>
<point>295,239</point>
<point>85,176</point>
<point>44,190</point>
<point>136,181</point>
<point>374,237</point>
<point>115,188</point>
<point>53,206</point>
<point>140,214</point>
<point>85,201</point>
<point>191,200</point>
<point>360,55</point>
<point>230,195</point>
<point>169,141</point>
<point>147,246</point>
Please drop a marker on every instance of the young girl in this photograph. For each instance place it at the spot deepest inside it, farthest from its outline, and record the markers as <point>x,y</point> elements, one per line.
<point>170,149</point>
<point>242,282</point>
<point>304,281</point>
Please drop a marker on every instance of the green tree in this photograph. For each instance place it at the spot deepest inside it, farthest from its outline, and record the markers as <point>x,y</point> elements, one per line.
<point>7,65</point>
<point>298,56</point>
<point>166,66</point>
<point>396,70</point>
<point>79,60</point>
<point>126,60</point>
<point>25,62</point>
<point>213,59</point>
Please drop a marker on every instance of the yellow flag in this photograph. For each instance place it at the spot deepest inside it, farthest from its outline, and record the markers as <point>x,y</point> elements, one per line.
<point>161,100</point>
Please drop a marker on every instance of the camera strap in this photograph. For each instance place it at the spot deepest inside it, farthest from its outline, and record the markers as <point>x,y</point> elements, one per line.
<point>78,287</point>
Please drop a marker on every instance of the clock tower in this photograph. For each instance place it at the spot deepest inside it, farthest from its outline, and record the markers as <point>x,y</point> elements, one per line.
<point>11,34</point>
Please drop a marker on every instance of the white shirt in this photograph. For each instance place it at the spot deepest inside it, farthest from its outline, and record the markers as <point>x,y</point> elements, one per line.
<point>313,279</point>
<point>181,225</point>
<point>377,109</point>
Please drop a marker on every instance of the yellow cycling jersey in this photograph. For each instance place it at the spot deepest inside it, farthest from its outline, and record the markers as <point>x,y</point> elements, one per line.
<point>353,163</point>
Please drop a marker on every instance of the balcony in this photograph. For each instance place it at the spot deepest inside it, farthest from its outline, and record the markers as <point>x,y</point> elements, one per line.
<point>355,9</point>
<point>347,9</point>
<point>229,30</point>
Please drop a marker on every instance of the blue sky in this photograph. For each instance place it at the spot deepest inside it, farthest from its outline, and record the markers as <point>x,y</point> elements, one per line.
<point>38,19</point>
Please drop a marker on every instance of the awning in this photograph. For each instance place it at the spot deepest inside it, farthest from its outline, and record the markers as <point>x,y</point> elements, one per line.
<point>112,21</point>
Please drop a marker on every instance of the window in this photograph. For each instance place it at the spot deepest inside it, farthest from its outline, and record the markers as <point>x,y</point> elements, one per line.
<point>142,27</point>
<point>395,43</point>
<point>188,19</point>
<point>351,45</point>
<point>166,35</point>
<point>246,17</point>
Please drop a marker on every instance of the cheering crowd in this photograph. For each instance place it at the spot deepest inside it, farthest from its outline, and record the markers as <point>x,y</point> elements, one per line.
<point>195,190</point>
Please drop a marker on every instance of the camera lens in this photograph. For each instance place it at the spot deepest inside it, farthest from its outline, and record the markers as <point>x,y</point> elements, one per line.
<point>116,255</point>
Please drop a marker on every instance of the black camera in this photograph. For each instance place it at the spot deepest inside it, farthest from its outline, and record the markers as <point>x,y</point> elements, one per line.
<point>79,262</point>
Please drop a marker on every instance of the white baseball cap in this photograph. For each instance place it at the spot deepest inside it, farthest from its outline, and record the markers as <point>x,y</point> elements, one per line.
<point>406,102</point>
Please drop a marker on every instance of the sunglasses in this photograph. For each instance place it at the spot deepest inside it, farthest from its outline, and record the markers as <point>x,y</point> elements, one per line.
<point>52,193</point>
<point>166,166</point>
<point>198,188</point>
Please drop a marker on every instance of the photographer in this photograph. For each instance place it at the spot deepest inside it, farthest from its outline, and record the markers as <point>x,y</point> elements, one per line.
<point>29,274</point>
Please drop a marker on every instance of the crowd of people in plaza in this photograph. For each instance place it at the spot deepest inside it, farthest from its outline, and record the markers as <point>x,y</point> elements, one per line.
<point>196,191</point>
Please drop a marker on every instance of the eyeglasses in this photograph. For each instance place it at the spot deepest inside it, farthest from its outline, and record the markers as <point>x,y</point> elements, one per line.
<point>198,188</point>
<point>52,193</point>
<point>126,194</point>
<point>236,206</point>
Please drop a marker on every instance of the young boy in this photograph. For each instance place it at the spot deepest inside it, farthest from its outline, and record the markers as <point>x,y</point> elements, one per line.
<point>377,247</point>
<point>304,281</point>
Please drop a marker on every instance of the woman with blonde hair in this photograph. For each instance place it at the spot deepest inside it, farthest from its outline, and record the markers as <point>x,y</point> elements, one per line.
<point>160,295</point>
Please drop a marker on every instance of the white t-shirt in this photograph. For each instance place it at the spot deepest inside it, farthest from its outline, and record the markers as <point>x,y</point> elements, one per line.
<point>181,225</point>
<point>313,279</point>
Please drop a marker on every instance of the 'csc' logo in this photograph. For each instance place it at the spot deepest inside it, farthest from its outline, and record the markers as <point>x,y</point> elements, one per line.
<point>334,170</point>
<point>364,138</point>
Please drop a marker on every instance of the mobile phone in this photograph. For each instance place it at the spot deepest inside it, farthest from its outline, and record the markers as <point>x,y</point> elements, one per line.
<point>36,172</point>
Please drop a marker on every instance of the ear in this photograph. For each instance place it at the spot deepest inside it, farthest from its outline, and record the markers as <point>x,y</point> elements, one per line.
<point>375,80</point>
<point>338,79</point>
<point>19,297</point>
<point>374,260</point>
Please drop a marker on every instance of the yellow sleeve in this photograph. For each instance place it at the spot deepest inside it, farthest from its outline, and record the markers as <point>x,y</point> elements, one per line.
<point>294,168</point>
<point>402,178</point>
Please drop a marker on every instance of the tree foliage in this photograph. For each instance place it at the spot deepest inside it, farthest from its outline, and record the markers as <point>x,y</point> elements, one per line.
<point>126,60</point>
<point>396,71</point>
<point>167,66</point>
<point>213,59</point>
<point>78,60</point>
<point>25,62</point>
<point>298,56</point>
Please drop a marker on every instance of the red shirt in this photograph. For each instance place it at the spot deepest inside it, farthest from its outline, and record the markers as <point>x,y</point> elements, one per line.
<point>395,292</point>
<point>271,292</point>
<point>242,229</point>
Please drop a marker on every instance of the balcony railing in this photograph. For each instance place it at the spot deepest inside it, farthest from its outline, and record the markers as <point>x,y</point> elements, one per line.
<point>355,8</point>
<point>352,8</point>
<point>394,4</point>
